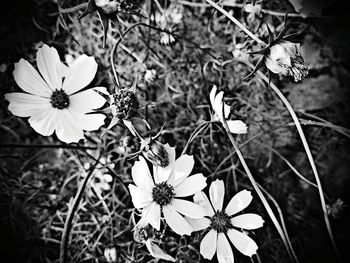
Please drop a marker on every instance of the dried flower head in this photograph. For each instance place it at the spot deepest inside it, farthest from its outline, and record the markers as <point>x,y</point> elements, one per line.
<point>124,104</point>
<point>155,152</point>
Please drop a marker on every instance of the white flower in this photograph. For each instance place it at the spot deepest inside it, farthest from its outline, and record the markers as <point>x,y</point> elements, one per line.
<point>54,104</point>
<point>284,58</point>
<point>235,126</point>
<point>164,193</point>
<point>223,224</point>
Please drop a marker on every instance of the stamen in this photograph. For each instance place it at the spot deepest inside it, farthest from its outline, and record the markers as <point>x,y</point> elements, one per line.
<point>163,194</point>
<point>59,99</point>
<point>220,222</point>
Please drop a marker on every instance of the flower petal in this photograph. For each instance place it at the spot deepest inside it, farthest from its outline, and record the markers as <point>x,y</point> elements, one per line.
<point>49,65</point>
<point>151,215</point>
<point>81,73</point>
<point>242,242</point>
<point>29,80</point>
<point>67,130</point>
<point>44,122</point>
<point>240,201</point>
<point>25,105</point>
<point>224,250</point>
<point>141,175</point>
<point>161,174</point>
<point>227,110</point>
<point>192,184</point>
<point>176,222</point>
<point>212,96</point>
<point>88,122</point>
<point>237,127</point>
<point>217,193</point>
<point>188,208</point>
<point>157,252</point>
<point>86,101</point>
<point>199,223</point>
<point>218,104</point>
<point>247,221</point>
<point>140,198</point>
<point>182,168</point>
<point>208,245</point>
<point>202,200</point>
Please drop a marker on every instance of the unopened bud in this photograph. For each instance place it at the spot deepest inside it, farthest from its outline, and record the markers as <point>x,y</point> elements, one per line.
<point>284,58</point>
<point>110,254</point>
<point>156,153</point>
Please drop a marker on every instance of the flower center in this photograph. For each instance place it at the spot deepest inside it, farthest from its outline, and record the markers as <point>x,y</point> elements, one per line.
<point>163,194</point>
<point>220,222</point>
<point>59,99</point>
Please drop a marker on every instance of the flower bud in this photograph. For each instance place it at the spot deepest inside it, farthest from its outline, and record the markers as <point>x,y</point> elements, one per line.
<point>155,152</point>
<point>124,104</point>
<point>110,254</point>
<point>284,58</point>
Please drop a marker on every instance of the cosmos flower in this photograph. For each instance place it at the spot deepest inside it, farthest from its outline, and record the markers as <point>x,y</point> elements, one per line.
<point>224,224</point>
<point>54,104</point>
<point>166,39</point>
<point>163,192</point>
<point>144,234</point>
<point>284,58</point>
<point>235,126</point>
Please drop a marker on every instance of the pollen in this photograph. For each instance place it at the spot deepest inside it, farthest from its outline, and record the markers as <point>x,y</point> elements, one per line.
<point>220,222</point>
<point>59,99</point>
<point>163,194</point>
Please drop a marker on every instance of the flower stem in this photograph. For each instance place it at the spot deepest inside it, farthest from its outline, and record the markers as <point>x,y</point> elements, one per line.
<point>235,21</point>
<point>268,209</point>
<point>70,216</point>
<point>308,153</point>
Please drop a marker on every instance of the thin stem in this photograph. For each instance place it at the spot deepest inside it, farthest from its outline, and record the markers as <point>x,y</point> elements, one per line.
<point>235,21</point>
<point>308,153</point>
<point>58,146</point>
<point>197,131</point>
<point>72,209</point>
<point>71,9</point>
<point>259,193</point>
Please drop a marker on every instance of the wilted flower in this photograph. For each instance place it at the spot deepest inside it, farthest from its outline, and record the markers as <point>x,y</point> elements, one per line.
<point>144,235</point>
<point>163,194</point>
<point>123,106</point>
<point>284,58</point>
<point>223,223</point>
<point>54,104</point>
<point>150,75</point>
<point>110,254</point>
<point>235,126</point>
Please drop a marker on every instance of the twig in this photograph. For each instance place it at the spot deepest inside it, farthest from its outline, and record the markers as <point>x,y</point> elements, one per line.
<point>70,216</point>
